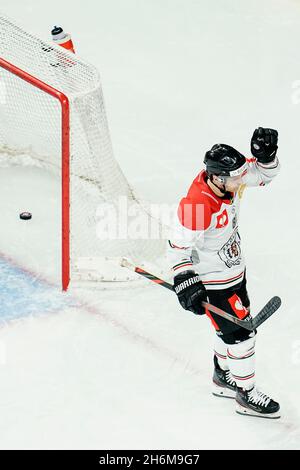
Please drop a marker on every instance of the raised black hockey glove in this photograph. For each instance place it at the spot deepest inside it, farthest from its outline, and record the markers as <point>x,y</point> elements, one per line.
<point>264,144</point>
<point>190,291</point>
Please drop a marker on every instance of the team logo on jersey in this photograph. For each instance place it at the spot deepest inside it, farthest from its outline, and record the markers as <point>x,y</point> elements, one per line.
<point>222,219</point>
<point>231,253</point>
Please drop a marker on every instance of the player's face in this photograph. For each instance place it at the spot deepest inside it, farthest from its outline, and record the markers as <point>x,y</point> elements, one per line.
<point>232,183</point>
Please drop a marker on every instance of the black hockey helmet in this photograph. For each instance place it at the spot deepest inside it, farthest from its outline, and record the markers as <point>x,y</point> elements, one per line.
<point>224,160</point>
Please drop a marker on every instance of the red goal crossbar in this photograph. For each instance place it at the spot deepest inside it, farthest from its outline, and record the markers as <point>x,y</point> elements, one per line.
<point>65,160</point>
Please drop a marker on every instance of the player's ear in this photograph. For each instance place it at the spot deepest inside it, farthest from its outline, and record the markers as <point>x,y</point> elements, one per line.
<point>219,179</point>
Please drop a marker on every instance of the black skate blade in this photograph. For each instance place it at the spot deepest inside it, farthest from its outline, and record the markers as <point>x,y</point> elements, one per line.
<point>241,410</point>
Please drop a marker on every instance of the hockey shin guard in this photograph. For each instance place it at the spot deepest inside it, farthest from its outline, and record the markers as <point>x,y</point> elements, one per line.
<point>241,362</point>
<point>220,351</point>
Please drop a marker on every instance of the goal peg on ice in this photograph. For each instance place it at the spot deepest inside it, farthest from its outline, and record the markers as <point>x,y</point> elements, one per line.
<point>268,310</point>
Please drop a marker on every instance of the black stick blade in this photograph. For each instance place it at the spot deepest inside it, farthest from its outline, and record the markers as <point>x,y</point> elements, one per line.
<point>266,311</point>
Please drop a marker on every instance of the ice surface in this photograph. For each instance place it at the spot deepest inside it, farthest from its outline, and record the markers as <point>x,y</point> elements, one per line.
<point>129,368</point>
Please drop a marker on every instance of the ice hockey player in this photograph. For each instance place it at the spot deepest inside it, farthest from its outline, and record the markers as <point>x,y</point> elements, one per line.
<point>208,265</point>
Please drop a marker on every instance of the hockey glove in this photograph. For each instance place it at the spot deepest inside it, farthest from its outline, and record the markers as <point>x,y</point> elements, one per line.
<point>264,144</point>
<point>190,291</point>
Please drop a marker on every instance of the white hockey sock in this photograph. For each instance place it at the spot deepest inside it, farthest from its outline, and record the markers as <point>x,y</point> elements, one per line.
<point>220,350</point>
<point>241,362</point>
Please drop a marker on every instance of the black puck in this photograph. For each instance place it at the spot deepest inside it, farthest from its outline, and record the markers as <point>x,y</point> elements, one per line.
<point>25,215</point>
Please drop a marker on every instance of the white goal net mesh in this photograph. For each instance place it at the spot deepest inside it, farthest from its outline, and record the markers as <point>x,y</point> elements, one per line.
<point>31,131</point>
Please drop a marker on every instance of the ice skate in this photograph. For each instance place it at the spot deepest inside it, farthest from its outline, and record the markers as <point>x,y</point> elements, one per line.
<point>255,403</point>
<point>223,382</point>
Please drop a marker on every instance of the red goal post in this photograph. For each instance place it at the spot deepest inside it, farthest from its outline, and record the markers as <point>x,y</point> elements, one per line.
<point>65,161</point>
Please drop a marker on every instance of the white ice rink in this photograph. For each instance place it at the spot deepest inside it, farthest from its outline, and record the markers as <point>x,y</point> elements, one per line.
<point>129,369</point>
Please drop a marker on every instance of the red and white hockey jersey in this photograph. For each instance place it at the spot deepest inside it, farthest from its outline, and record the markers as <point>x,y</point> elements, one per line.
<point>205,237</point>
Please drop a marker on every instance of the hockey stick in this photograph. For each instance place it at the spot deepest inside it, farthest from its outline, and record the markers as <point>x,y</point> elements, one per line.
<point>268,310</point>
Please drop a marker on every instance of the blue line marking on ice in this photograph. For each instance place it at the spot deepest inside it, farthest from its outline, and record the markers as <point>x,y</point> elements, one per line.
<point>22,294</point>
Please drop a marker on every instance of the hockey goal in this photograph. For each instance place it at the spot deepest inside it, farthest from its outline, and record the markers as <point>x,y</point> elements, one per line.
<point>53,116</point>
